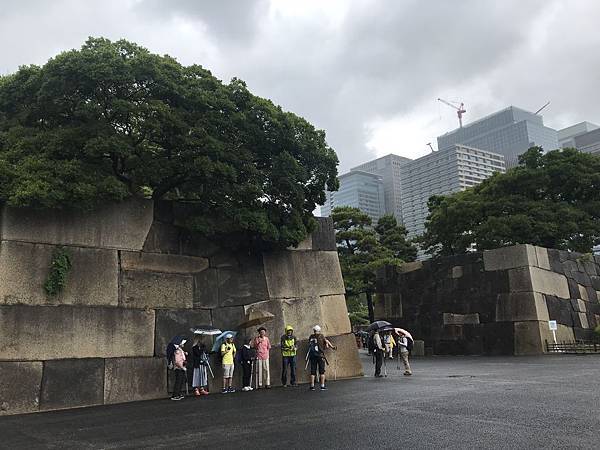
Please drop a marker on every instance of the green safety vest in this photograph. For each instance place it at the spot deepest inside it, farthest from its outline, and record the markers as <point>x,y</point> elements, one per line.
<point>288,345</point>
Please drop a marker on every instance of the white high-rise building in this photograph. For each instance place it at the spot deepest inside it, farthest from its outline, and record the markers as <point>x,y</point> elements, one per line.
<point>566,136</point>
<point>441,173</point>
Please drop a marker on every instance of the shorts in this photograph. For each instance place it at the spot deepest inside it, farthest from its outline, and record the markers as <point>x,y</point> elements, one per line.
<point>227,370</point>
<point>314,362</point>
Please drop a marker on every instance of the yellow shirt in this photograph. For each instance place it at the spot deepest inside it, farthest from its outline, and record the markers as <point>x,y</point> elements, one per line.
<point>227,354</point>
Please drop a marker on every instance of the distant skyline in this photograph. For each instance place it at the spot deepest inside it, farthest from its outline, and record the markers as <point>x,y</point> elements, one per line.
<point>367,72</point>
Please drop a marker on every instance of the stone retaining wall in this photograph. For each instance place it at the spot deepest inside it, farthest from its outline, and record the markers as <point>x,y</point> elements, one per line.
<point>137,280</point>
<point>495,302</point>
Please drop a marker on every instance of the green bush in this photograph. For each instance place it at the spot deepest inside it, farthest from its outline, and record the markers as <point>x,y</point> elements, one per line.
<point>59,269</point>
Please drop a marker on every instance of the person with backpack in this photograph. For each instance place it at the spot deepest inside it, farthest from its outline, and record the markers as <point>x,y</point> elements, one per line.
<point>404,346</point>
<point>317,344</point>
<point>262,344</point>
<point>177,361</point>
<point>377,349</point>
<point>228,354</point>
<point>200,363</point>
<point>288,353</point>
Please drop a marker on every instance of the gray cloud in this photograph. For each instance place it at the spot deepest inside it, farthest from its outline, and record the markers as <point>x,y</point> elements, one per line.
<point>345,65</point>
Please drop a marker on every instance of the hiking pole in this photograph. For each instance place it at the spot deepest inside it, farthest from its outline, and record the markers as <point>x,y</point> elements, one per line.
<point>335,366</point>
<point>384,366</point>
<point>209,369</point>
<point>306,365</point>
<point>187,384</point>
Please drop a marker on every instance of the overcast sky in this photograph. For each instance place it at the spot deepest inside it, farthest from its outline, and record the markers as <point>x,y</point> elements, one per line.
<point>366,71</point>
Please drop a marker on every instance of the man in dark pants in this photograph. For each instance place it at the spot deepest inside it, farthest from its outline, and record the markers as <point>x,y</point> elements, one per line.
<point>378,352</point>
<point>288,353</point>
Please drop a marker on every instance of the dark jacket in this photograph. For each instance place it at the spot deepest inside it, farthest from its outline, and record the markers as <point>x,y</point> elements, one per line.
<point>199,356</point>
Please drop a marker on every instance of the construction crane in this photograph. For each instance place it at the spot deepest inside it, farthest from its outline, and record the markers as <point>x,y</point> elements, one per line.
<point>460,110</point>
<point>540,110</point>
<point>431,147</point>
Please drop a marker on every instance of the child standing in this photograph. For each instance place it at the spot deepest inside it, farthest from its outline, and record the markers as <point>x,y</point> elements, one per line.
<point>227,355</point>
<point>179,366</point>
<point>200,377</point>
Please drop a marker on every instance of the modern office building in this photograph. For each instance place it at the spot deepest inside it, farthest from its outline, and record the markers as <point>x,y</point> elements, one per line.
<point>362,190</point>
<point>440,173</point>
<point>509,132</point>
<point>566,136</point>
<point>388,167</point>
<point>588,142</point>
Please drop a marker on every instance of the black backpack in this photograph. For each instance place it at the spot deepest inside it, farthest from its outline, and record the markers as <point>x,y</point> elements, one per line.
<point>371,343</point>
<point>409,344</point>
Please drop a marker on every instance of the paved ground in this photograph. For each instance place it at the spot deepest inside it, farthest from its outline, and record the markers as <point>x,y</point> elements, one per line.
<point>458,402</point>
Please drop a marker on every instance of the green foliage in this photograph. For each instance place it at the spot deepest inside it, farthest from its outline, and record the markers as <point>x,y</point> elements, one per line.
<point>112,120</point>
<point>59,269</point>
<point>358,312</point>
<point>551,200</point>
<point>363,249</point>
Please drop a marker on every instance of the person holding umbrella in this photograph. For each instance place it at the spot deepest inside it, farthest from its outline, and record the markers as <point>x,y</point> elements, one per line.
<point>403,350</point>
<point>228,354</point>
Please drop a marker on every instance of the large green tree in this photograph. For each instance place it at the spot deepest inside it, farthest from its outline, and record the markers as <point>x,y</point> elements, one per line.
<point>112,120</point>
<point>551,200</point>
<point>363,249</point>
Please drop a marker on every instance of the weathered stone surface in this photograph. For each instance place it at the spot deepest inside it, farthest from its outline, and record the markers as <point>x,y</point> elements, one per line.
<point>55,332</point>
<point>303,274</point>
<point>538,280</point>
<point>418,348</point>
<point>156,290</point>
<point>69,383</point>
<point>460,319</point>
<point>510,257</point>
<point>243,284</point>
<point>164,263</point>
<point>521,306</point>
<point>20,387</point>
<point>163,238</point>
<point>584,320</point>
<point>560,310</point>
<point>304,313</point>
<point>323,238</point>
<point>24,268</point>
<point>228,318</point>
<point>122,225</point>
<point>206,289</point>
<point>343,362</point>
<point>457,272</point>
<point>410,266</point>
<point>528,339</point>
<point>134,379</point>
<point>388,305</point>
<point>583,293</point>
<point>563,334</point>
<point>305,244</point>
<point>173,322</point>
<point>543,261</point>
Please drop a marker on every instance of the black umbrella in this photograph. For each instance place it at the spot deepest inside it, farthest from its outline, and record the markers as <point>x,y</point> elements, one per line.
<point>205,330</point>
<point>378,324</point>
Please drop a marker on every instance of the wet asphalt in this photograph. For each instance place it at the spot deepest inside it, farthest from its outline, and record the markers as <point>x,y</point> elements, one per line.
<point>449,402</point>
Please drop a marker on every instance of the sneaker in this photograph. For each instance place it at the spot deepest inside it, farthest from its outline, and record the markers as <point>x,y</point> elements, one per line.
<point>284,385</point>
<point>231,390</point>
<point>250,388</point>
<point>380,376</point>
<point>268,387</point>
<point>323,388</point>
<point>408,374</point>
<point>312,388</point>
<point>176,398</point>
<point>224,391</point>
<point>293,384</point>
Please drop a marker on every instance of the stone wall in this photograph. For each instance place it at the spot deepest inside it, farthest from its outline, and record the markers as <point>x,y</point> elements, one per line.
<point>495,302</point>
<point>137,280</point>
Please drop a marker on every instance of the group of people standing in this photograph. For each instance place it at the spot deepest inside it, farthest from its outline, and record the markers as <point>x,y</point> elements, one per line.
<point>381,345</point>
<point>254,359</point>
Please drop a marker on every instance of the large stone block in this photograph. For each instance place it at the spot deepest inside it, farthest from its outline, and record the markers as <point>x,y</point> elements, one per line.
<point>69,383</point>
<point>323,237</point>
<point>242,284</point>
<point>521,306</point>
<point>206,289</point>
<point>122,225</point>
<point>170,323</point>
<point>343,362</point>
<point>303,274</point>
<point>461,319</point>
<point>163,238</point>
<point>560,310</point>
<point>418,348</point>
<point>229,318</point>
<point>510,257</point>
<point>538,280</point>
<point>134,379</point>
<point>528,339</point>
<point>20,387</point>
<point>156,290</point>
<point>24,267</point>
<point>56,332</point>
<point>543,260</point>
<point>163,263</point>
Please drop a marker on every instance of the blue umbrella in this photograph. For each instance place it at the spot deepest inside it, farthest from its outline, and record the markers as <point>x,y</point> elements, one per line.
<point>220,339</point>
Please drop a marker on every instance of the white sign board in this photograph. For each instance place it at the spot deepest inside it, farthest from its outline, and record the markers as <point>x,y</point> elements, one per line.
<point>552,325</point>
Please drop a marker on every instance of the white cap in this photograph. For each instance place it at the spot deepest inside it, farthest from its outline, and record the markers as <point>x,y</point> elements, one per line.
<point>317,329</point>
<point>229,336</point>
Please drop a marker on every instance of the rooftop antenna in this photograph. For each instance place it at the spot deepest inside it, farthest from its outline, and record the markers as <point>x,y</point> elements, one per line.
<point>537,112</point>
<point>460,110</point>
<point>431,147</point>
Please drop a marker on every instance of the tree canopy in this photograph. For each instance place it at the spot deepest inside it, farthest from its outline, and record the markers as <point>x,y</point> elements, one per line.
<point>112,120</point>
<point>363,249</point>
<point>551,200</point>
